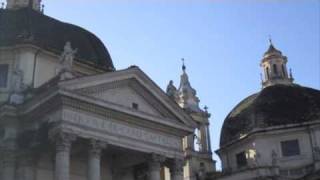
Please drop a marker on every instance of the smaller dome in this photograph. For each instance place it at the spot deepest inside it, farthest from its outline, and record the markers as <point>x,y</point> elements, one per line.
<point>273,106</point>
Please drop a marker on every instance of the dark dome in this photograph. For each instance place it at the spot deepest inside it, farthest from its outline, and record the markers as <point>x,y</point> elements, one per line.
<point>273,106</point>
<point>27,26</point>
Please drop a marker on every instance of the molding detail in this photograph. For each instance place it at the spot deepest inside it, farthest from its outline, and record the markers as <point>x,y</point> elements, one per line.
<point>118,129</point>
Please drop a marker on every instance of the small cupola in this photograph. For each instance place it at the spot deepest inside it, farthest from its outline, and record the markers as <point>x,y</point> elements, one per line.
<point>274,65</point>
<point>17,4</point>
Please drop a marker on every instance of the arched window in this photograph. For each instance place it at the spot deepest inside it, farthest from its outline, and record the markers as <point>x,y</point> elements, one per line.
<point>284,71</point>
<point>197,143</point>
<point>275,70</point>
<point>267,72</point>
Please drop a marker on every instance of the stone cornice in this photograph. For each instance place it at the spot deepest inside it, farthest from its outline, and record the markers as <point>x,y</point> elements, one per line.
<point>103,108</point>
<point>271,131</point>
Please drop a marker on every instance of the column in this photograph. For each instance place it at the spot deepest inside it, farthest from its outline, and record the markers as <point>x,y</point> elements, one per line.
<point>176,169</point>
<point>154,166</point>
<point>8,165</point>
<point>94,159</point>
<point>190,142</point>
<point>209,138</point>
<point>62,161</point>
<point>203,138</point>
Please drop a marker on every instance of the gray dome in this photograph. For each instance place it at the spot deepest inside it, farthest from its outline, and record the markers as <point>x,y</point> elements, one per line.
<point>273,106</point>
<point>27,26</point>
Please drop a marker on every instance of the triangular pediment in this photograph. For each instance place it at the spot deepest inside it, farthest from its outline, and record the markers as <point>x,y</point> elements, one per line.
<point>131,90</point>
<point>129,94</point>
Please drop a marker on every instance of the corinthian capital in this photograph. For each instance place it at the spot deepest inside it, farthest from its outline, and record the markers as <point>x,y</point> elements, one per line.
<point>155,161</point>
<point>177,166</point>
<point>63,140</point>
<point>95,147</point>
<point>157,158</point>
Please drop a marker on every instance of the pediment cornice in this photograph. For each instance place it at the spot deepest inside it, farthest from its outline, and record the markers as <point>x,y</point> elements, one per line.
<point>134,76</point>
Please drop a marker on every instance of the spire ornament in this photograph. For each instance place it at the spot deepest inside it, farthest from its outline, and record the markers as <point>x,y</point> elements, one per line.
<point>270,40</point>
<point>183,65</point>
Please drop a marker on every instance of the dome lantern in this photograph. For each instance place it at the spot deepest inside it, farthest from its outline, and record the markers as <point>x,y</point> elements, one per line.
<point>274,66</point>
<point>17,4</point>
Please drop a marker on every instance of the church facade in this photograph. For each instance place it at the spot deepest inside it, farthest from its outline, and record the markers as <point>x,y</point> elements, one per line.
<point>67,114</point>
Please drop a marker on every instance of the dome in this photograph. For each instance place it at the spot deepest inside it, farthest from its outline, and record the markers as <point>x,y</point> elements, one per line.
<point>273,106</point>
<point>27,26</point>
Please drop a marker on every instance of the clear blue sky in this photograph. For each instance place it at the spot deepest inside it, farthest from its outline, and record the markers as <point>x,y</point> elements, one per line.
<point>222,41</point>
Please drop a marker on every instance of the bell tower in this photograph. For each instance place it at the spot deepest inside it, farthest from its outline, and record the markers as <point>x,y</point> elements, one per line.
<point>274,66</point>
<point>17,4</point>
<point>197,146</point>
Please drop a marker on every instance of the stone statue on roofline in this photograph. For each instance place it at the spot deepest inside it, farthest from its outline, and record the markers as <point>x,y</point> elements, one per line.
<point>18,87</point>
<point>172,91</point>
<point>66,62</point>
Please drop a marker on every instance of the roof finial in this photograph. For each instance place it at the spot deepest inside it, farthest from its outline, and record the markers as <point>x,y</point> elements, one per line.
<point>183,65</point>
<point>270,40</point>
<point>42,8</point>
<point>291,76</point>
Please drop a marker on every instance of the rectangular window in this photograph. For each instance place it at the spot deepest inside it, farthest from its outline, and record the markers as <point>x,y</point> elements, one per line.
<point>135,106</point>
<point>290,148</point>
<point>4,69</point>
<point>241,159</point>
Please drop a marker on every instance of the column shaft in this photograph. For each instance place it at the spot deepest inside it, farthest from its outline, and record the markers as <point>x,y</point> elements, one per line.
<point>209,139</point>
<point>154,166</point>
<point>62,161</point>
<point>8,167</point>
<point>94,160</point>
<point>62,166</point>
<point>176,169</point>
<point>203,138</point>
<point>94,168</point>
<point>154,171</point>
<point>26,168</point>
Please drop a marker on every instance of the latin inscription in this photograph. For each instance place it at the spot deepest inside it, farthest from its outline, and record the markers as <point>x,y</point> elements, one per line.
<point>119,129</point>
